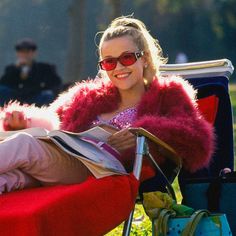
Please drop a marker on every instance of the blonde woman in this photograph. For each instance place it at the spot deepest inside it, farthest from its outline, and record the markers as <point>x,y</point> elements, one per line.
<point>129,93</point>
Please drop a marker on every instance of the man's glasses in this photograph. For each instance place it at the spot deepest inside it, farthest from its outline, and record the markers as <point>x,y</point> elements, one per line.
<point>125,59</point>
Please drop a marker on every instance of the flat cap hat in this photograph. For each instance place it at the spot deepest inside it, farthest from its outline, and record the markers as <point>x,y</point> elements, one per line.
<point>26,44</point>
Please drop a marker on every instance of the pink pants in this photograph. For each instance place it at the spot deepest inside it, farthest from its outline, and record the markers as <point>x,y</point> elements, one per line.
<point>28,162</point>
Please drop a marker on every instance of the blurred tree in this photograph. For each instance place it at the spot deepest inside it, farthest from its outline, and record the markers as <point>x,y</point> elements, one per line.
<point>203,29</point>
<point>224,27</point>
<point>74,69</point>
<point>116,8</point>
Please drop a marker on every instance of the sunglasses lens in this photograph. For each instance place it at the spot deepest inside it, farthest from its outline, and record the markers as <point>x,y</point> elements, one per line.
<point>108,64</point>
<point>128,59</point>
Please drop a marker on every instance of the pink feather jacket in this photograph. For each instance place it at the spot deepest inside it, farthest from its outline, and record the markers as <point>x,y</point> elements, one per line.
<point>167,109</point>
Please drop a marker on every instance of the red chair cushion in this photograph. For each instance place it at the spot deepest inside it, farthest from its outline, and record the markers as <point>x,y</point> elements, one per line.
<point>91,208</point>
<point>208,107</point>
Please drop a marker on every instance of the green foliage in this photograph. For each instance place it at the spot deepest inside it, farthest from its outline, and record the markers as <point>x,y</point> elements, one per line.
<point>140,227</point>
<point>203,29</point>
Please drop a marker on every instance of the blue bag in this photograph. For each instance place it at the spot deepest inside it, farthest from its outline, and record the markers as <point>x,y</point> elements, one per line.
<point>201,223</point>
<point>172,219</point>
<point>215,194</point>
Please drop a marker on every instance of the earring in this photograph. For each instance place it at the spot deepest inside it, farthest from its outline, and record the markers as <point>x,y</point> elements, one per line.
<point>145,66</point>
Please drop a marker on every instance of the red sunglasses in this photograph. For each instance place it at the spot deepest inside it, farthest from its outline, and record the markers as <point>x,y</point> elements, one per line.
<point>125,59</point>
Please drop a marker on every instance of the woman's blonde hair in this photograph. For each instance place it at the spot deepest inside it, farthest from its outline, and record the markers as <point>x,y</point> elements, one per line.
<point>129,26</point>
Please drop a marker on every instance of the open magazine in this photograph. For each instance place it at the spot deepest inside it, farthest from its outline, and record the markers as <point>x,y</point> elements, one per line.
<point>90,147</point>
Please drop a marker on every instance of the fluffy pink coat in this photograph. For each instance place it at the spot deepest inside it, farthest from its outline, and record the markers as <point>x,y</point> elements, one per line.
<point>167,109</point>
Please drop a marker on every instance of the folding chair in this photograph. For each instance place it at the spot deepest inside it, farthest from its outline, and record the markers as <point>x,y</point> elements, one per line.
<point>95,206</point>
<point>210,78</point>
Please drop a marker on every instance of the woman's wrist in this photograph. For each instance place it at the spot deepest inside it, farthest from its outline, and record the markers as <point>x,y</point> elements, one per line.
<point>15,121</point>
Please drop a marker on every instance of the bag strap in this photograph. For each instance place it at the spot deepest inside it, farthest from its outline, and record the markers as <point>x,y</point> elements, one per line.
<point>164,224</point>
<point>194,221</point>
<point>161,224</point>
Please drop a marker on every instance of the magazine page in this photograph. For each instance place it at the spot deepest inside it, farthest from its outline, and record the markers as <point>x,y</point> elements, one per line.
<point>97,168</point>
<point>87,151</point>
<point>36,132</point>
<point>96,132</point>
<point>103,146</point>
<point>100,172</point>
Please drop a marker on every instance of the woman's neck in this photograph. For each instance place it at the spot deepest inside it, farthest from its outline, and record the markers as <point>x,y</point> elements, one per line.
<point>131,97</point>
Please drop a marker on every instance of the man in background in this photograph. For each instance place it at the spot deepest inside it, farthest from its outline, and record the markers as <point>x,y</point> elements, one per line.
<point>28,81</point>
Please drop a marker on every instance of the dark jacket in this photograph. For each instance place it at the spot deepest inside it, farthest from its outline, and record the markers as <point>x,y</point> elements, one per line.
<point>41,76</point>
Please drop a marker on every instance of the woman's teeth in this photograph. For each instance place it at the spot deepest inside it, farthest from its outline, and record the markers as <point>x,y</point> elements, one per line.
<point>121,76</point>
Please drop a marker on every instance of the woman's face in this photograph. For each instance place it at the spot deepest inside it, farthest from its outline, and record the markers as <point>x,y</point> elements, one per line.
<point>123,77</point>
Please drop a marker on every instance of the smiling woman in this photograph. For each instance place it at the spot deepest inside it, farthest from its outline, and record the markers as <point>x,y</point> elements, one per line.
<point>127,77</point>
<point>130,93</point>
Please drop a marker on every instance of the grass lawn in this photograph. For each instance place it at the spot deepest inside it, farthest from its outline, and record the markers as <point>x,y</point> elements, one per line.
<point>142,225</point>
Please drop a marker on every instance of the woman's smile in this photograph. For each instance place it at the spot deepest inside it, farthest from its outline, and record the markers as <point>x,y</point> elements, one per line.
<point>122,76</point>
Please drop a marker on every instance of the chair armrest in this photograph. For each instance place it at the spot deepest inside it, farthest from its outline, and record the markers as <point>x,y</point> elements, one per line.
<point>202,69</point>
<point>161,147</point>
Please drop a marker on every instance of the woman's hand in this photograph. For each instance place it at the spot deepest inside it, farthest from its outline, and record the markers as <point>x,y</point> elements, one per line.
<point>122,140</point>
<point>15,121</point>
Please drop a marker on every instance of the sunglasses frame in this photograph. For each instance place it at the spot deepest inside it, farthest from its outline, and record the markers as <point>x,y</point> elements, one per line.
<point>136,54</point>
